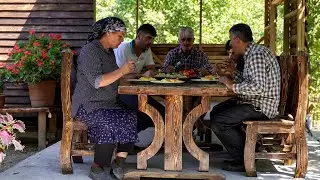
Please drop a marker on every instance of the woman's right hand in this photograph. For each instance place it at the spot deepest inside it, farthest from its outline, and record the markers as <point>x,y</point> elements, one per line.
<point>128,67</point>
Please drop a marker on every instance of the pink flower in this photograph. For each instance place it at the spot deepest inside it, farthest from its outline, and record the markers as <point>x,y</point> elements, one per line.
<point>6,118</point>
<point>2,64</point>
<point>32,31</point>
<point>42,35</point>
<point>17,145</point>
<point>19,125</point>
<point>5,138</point>
<point>9,53</point>
<point>49,46</point>
<point>2,156</point>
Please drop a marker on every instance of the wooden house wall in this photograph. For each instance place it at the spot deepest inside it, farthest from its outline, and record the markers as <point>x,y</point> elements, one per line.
<point>71,18</point>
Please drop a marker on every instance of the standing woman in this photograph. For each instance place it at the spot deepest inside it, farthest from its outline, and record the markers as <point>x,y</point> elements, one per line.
<point>95,99</point>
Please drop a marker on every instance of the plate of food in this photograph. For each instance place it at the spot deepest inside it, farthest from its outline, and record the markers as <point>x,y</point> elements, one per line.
<point>141,80</point>
<point>206,79</point>
<point>168,81</point>
<point>170,76</point>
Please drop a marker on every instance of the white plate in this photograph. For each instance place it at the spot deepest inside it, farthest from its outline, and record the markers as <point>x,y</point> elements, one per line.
<point>204,80</point>
<point>163,82</point>
<point>137,81</point>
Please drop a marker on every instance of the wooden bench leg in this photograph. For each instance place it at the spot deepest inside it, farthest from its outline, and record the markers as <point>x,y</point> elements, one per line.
<point>249,150</point>
<point>42,130</point>
<point>158,138</point>
<point>193,149</point>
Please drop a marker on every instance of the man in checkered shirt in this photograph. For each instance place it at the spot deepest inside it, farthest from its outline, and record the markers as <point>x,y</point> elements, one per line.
<point>185,56</point>
<point>258,94</point>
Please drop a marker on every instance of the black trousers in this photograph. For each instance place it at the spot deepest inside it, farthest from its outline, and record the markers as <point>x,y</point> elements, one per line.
<point>103,152</point>
<point>144,121</point>
<point>226,122</point>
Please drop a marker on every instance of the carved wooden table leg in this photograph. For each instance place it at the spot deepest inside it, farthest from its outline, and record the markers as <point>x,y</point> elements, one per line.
<point>191,118</point>
<point>42,130</point>
<point>173,133</point>
<point>157,119</point>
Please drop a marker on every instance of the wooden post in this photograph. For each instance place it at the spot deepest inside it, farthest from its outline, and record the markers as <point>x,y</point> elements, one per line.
<point>173,129</point>
<point>137,14</point>
<point>200,36</point>
<point>300,25</point>
<point>67,131</point>
<point>286,28</point>
<point>266,22</point>
<point>273,29</point>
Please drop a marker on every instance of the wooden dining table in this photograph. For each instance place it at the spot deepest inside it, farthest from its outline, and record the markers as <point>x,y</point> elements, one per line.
<point>173,129</point>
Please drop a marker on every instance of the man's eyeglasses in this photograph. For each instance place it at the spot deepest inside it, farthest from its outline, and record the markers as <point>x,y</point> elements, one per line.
<point>186,39</point>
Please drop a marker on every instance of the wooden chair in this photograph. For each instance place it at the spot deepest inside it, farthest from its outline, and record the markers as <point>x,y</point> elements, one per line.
<point>74,142</point>
<point>294,92</point>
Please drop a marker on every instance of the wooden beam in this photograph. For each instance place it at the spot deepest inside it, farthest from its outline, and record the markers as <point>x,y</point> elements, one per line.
<point>286,45</point>
<point>266,22</point>
<point>277,2</point>
<point>137,14</point>
<point>200,38</point>
<point>290,15</point>
<point>300,25</point>
<point>260,40</point>
<point>273,29</point>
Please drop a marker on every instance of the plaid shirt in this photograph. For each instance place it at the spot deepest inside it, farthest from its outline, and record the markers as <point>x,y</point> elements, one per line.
<point>195,60</point>
<point>259,83</point>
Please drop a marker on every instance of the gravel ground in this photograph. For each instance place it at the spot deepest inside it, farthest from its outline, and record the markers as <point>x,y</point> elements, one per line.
<point>13,157</point>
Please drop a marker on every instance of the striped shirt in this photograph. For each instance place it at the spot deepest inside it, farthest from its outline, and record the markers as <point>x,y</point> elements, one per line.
<point>259,83</point>
<point>196,59</point>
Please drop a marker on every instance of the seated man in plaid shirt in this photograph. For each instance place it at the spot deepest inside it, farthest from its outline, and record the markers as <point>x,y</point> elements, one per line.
<point>185,56</point>
<point>258,94</point>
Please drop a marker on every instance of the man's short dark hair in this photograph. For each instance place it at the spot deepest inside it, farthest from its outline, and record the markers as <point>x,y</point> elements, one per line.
<point>147,29</point>
<point>228,45</point>
<point>242,31</point>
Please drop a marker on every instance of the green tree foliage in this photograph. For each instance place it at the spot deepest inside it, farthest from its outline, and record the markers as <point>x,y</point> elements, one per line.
<point>314,47</point>
<point>218,16</point>
<point>168,16</point>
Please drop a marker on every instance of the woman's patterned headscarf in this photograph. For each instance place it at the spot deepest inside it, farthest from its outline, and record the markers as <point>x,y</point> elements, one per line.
<point>109,24</point>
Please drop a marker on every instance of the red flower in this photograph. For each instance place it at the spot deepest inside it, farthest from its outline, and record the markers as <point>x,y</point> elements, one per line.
<point>55,36</point>
<point>15,71</point>
<point>42,35</point>
<point>44,54</point>
<point>39,62</point>
<point>27,53</point>
<point>74,52</point>
<point>32,31</point>
<point>49,46</point>
<point>9,53</point>
<point>19,64</point>
<point>16,47</point>
<point>36,44</point>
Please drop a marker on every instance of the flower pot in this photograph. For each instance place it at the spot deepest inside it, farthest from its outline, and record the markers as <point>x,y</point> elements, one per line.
<point>42,93</point>
<point>2,100</point>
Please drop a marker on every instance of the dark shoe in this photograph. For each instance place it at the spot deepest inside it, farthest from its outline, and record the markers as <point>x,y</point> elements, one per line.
<point>234,167</point>
<point>117,170</point>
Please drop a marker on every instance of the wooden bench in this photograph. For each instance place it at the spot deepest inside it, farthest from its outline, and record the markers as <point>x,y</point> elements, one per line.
<point>42,118</point>
<point>294,95</point>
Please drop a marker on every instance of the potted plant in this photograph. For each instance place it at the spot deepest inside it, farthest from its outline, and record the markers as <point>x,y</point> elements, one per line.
<point>38,63</point>
<point>8,126</point>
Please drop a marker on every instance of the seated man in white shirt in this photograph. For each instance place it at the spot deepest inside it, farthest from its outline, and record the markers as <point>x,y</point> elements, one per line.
<point>139,51</point>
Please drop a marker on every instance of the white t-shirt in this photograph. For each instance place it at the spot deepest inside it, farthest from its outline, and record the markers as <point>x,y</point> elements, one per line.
<point>125,52</point>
